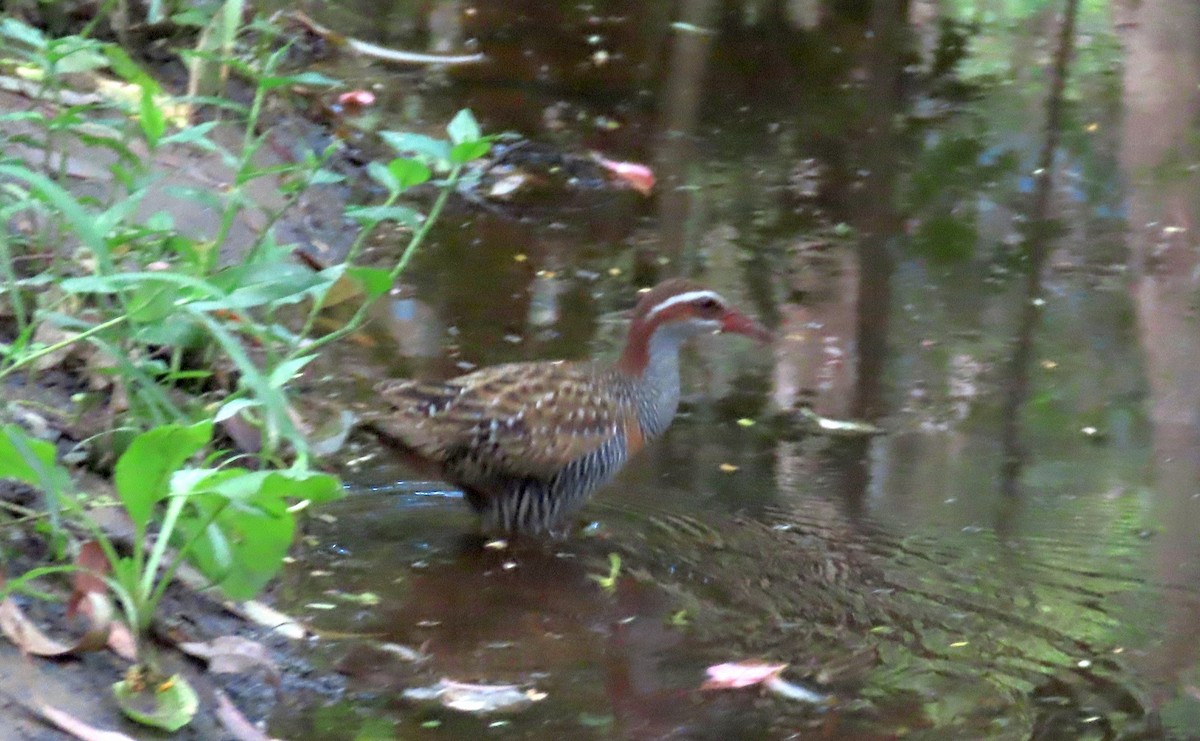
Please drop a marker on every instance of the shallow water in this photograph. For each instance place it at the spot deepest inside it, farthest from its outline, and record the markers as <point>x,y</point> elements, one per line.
<point>999,272</point>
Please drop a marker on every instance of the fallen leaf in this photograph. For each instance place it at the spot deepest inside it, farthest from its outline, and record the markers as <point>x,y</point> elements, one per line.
<point>736,675</point>
<point>69,724</point>
<point>839,427</point>
<point>476,698</point>
<point>357,98</point>
<point>31,640</point>
<point>506,186</point>
<point>89,577</point>
<point>233,655</point>
<point>636,175</point>
<point>740,674</point>
<point>260,614</point>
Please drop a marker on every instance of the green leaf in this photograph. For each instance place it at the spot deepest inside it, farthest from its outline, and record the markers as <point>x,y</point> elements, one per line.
<point>463,128</point>
<point>375,214</point>
<point>247,528</point>
<point>231,408</point>
<point>376,281</point>
<point>468,151</point>
<point>326,177</point>
<point>429,150</point>
<point>79,218</point>
<point>152,302</point>
<point>143,473</point>
<point>260,284</point>
<point>129,70</point>
<point>304,78</point>
<point>171,705</point>
<point>278,421</point>
<point>119,281</point>
<point>151,118</point>
<point>408,172</point>
<point>76,54</point>
<point>287,370</point>
<point>315,78</point>
<point>243,547</point>
<point>17,31</point>
<point>318,488</point>
<point>380,173</point>
<point>31,461</point>
<point>192,134</point>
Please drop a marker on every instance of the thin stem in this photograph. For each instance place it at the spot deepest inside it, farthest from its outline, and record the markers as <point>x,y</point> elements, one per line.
<point>10,277</point>
<point>180,557</point>
<point>360,315</point>
<point>174,509</point>
<point>319,302</point>
<point>63,343</point>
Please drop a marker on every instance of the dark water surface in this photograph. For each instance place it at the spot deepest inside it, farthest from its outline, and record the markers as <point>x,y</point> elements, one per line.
<point>971,223</point>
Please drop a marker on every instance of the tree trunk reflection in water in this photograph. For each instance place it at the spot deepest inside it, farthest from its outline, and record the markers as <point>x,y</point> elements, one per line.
<point>879,227</point>
<point>1036,245</point>
<point>1162,103</point>
<point>690,49</point>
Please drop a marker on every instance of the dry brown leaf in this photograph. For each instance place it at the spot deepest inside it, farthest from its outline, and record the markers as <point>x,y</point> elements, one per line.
<point>30,639</point>
<point>233,655</point>
<point>71,725</point>
<point>89,578</point>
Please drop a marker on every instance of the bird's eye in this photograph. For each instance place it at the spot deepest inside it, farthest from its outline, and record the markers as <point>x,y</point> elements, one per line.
<point>707,304</point>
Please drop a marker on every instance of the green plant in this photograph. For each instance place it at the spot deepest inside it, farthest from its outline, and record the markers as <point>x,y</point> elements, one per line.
<point>233,525</point>
<point>157,303</point>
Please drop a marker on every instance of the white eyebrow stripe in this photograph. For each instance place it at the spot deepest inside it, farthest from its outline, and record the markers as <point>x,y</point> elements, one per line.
<point>683,298</point>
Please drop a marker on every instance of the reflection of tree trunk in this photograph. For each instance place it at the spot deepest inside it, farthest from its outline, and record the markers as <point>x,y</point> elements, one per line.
<point>879,227</point>
<point>882,223</point>
<point>1017,391</point>
<point>445,26</point>
<point>1162,104</point>
<point>685,79</point>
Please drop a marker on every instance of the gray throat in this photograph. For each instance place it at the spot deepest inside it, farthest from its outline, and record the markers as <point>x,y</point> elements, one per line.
<point>658,391</point>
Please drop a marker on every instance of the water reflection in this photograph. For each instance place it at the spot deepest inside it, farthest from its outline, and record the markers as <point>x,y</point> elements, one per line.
<point>869,176</point>
<point>1161,82</point>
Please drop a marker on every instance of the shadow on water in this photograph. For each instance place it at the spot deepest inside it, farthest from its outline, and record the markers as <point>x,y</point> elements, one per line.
<point>1015,558</point>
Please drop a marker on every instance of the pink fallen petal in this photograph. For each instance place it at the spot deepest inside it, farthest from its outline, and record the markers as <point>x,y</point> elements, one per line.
<point>357,99</point>
<point>740,674</point>
<point>636,175</point>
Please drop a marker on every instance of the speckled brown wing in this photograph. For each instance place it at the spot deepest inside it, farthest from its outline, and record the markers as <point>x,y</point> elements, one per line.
<point>516,420</point>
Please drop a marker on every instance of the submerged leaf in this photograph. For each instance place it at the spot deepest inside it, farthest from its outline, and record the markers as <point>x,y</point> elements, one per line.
<point>841,428</point>
<point>233,655</point>
<point>476,698</point>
